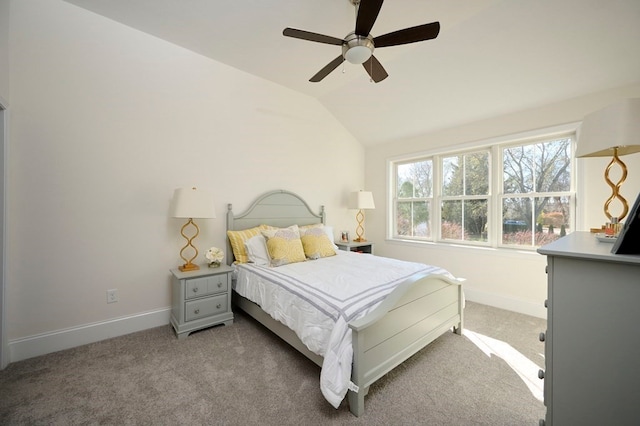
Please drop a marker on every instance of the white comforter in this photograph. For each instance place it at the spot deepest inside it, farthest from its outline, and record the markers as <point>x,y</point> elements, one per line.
<point>318,298</point>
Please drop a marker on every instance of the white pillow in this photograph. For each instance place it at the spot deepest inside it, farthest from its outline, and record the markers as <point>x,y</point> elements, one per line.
<point>256,248</point>
<point>329,231</point>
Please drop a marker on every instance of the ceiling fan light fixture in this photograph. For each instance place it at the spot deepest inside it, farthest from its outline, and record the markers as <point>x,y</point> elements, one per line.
<point>358,54</point>
<point>356,49</point>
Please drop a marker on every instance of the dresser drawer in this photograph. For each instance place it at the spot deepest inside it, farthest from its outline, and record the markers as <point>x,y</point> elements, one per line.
<point>199,287</point>
<point>206,307</point>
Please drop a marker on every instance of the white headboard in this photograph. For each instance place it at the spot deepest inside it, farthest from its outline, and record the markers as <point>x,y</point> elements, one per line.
<point>276,208</point>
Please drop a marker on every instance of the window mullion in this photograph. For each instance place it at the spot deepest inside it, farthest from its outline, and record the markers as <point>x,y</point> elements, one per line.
<point>436,207</point>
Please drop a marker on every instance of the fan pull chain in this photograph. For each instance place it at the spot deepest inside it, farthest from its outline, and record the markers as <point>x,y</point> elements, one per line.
<point>343,68</point>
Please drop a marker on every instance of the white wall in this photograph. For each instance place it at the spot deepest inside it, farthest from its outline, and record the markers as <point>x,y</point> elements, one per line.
<point>106,122</point>
<point>4,96</point>
<point>4,49</point>
<point>504,278</point>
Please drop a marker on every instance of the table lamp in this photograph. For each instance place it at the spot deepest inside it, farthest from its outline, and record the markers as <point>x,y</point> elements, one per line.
<point>190,203</point>
<point>361,200</point>
<point>612,132</point>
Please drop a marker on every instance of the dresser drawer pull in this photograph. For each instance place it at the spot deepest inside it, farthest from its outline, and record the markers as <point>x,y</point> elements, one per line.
<point>195,289</point>
<point>197,311</point>
<point>219,285</point>
<point>546,303</point>
<point>542,336</point>
<point>541,374</point>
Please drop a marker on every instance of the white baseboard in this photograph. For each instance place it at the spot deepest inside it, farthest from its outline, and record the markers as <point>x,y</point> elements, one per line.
<point>41,344</point>
<point>508,303</point>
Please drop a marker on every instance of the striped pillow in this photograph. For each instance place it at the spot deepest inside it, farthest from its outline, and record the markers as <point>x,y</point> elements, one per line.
<point>237,240</point>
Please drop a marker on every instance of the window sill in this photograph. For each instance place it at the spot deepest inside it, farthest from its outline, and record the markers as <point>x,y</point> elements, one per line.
<point>469,249</point>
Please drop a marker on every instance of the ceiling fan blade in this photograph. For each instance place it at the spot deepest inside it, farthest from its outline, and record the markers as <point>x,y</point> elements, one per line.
<point>306,35</point>
<point>367,14</point>
<point>408,35</point>
<point>327,69</point>
<point>375,69</point>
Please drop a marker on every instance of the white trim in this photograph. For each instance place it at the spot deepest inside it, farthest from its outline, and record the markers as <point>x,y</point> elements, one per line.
<point>4,142</point>
<point>511,252</point>
<point>41,344</point>
<point>506,302</point>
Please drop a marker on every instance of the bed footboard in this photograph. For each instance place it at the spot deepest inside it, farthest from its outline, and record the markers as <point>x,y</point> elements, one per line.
<point>415,313</point>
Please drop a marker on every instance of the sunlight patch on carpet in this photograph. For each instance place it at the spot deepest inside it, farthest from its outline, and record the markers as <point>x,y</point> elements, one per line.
<point>523,366</point>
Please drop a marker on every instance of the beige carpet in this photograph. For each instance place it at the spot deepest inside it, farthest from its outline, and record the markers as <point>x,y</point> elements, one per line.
<point>243,375</point>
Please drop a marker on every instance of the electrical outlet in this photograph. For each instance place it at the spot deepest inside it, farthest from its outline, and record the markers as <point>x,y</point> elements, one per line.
<point>112,295</point>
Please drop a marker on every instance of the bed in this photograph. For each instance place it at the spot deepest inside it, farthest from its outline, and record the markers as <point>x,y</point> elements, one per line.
<point>419,307</point>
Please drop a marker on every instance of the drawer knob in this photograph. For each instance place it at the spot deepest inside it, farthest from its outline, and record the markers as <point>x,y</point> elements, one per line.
<point>197,311</point>
<point>219,305</point>
<point>540,374</point>
<point>195,289</point>
<point>546,303</point>
<point>219,285</point>
<point>542,337</point>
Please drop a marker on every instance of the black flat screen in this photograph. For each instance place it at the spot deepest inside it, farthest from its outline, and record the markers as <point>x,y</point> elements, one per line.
<point>628,241</point>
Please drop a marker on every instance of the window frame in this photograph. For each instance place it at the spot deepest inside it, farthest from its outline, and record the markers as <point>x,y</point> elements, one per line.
<point>441,197</point>
<point>413,199</point>
<point>496,186</point>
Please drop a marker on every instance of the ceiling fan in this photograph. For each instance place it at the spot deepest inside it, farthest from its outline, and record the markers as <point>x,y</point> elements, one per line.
<point>358,45</point>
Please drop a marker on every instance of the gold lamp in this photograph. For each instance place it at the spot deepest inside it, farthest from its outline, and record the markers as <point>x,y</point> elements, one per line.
<point>361,200</point>
<point>612,132</point>
<point>190,203</point>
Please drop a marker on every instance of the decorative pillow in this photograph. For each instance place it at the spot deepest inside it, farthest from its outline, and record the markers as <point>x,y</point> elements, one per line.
<point>315,242</point>
<point>256,248</point>
<point>284,245</point>
<point>237,239</point>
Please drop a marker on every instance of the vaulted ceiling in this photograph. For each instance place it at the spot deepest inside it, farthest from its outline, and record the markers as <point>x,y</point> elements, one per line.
<point>492,57</point>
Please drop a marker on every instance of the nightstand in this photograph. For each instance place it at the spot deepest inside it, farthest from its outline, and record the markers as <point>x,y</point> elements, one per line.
<point>200,299</point>
<point>365,247</point>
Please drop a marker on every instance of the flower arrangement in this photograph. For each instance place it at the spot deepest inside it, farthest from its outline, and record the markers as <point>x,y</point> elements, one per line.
<point>215,256</point>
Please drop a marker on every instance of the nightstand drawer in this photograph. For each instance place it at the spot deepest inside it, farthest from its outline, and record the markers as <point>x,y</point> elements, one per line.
<point>198,287</point>
<point>205,307</point>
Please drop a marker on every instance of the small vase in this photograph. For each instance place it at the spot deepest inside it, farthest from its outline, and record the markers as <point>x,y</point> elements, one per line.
<point>214,264</point>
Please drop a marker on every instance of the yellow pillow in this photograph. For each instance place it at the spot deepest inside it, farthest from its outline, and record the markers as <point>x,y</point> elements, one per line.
<point>284,245</point>
<point>316,242</point>
<point>237,240</point>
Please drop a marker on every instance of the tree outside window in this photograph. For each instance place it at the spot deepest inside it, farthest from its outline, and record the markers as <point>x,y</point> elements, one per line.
<point>414,195</point>
<point>465,195</point>
<point>537,192</point>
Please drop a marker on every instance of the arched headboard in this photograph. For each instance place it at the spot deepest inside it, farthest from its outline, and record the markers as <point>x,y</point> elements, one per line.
<point>276,208</point>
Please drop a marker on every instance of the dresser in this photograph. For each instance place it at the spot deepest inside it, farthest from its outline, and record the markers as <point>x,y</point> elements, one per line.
<point>592,341</point>
<point>200,299</point>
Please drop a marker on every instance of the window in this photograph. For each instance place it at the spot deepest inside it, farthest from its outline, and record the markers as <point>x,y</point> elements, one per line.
<point>536,196</point>
<point>465,197</point>
<point>501,195</point>
<point>414,190</point>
